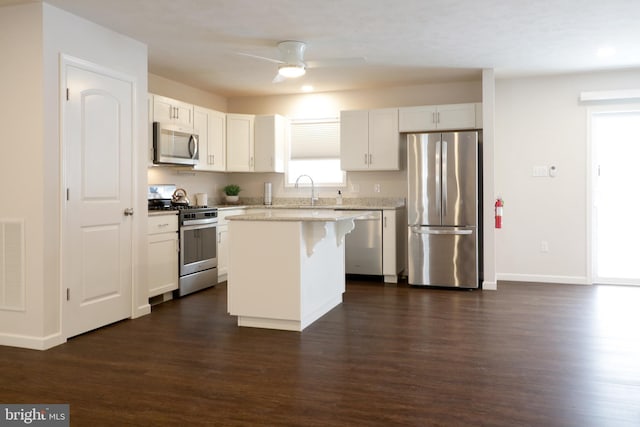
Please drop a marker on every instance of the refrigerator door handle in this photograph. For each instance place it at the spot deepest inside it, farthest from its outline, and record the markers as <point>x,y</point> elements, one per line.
<point>444,178</point>
<point>438,181</point>
<point>418,230</point>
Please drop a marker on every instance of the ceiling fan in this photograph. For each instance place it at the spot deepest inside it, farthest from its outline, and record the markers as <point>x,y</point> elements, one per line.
<point>292,63</point>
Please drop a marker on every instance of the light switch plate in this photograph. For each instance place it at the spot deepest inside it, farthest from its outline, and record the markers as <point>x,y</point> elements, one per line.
<point>540,171</point>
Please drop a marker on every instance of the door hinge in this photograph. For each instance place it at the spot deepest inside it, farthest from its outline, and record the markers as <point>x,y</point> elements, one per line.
<point>68,294</point>
<point>67,94</point>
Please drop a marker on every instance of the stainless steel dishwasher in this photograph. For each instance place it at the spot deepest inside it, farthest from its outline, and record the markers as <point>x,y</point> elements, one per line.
<point>363,246</point>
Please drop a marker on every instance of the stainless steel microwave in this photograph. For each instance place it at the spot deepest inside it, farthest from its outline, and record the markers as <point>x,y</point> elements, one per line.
<point>174,145</point>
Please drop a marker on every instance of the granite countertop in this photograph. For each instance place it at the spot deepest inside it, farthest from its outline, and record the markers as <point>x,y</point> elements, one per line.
<point>318,215</point>
<point>371,203</point>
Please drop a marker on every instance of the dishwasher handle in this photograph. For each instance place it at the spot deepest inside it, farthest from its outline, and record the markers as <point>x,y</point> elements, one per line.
<point>457,232</point>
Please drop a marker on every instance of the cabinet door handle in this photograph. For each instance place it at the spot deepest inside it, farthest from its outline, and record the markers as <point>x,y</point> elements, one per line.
<point>438,116</point>
<point>365,158</point>
<point>385,222</point>
<point>370,159</point>
<point>433,117</point>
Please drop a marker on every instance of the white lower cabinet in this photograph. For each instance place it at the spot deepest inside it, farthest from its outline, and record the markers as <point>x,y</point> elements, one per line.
<point>223,241</point>
<point>393,253</point>
<point>162,241</point>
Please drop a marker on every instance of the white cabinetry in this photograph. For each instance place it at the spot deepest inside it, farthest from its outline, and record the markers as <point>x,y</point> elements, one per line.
<point>271,133</point>
<point>211,126</point>
<point>223,241</point>
<point>393,252</point>
<point>162,253</point>
<point>240,142</point>
<point>369,140</point>
<point>439,117</point>
<point>167,110</point>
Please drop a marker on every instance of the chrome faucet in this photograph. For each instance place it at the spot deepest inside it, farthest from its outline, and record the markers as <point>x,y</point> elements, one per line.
<point>313,196</point>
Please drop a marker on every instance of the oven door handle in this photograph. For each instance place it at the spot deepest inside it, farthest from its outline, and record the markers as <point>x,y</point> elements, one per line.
<point>196,222</point>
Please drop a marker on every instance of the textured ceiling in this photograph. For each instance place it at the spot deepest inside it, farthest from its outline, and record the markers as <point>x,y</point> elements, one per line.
<point>404,41</point>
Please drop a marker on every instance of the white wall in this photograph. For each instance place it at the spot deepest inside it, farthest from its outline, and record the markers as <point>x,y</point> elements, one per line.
<point>540,121</point>
<point>34,36</point>
<point>176,90</point>
<point>21,162</point>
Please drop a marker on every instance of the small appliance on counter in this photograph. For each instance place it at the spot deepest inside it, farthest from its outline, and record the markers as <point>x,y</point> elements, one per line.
<point>202,200</point>
<point>267,194</point>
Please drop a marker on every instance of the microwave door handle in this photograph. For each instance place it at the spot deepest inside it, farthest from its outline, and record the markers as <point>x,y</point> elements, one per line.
<point>193,152</point>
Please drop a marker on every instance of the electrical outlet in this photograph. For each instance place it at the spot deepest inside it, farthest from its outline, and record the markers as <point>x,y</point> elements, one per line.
<point>377,188</point>
<point>355,188</point>
<point>544,246</point>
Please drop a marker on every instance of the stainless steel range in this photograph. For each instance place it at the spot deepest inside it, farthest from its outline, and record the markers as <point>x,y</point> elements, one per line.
<point>198,264</point>
<point>198,243</point>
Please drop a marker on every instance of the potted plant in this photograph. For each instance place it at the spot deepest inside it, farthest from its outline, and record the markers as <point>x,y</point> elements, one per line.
<point>231,192</point>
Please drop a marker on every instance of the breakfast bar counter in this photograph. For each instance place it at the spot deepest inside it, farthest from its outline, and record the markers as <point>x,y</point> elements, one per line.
<point>286,267</point>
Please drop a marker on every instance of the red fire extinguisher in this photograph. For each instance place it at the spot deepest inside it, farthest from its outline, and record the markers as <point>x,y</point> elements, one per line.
<point>499,205</point>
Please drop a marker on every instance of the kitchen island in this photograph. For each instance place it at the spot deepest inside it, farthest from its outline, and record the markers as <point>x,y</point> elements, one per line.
<point>286,266</point>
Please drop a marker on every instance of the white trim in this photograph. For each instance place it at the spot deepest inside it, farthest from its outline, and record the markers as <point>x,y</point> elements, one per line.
<point>543,278</point>
<point>610,95</point>
<point>590,248</point>
<point>142,310</point>
<point>30,342</point>
<point>489,286</point>
<point>66,61</point>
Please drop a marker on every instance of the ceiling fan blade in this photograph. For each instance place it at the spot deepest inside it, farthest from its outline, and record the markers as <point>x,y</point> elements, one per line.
<point>264,58</point>
<point>278,78</point>
<point>336,62</point>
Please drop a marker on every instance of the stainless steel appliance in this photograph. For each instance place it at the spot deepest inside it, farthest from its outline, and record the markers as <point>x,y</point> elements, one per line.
<point>198,259</point>
<point>443,175</point>
<point>174,145</point>
<point>363,246</point>
<point>198,241</point>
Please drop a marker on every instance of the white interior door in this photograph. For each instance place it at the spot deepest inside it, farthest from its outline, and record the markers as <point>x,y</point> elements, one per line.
<point>97,235</point>
<point>616,234</point>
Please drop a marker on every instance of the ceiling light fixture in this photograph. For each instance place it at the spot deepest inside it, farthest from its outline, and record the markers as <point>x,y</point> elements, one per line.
<point>291,70</point>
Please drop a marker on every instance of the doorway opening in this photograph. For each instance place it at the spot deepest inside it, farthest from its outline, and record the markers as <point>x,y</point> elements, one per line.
<point>615,137</point>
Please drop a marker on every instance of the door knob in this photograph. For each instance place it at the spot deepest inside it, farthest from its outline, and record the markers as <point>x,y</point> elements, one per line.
<point>128,212</point>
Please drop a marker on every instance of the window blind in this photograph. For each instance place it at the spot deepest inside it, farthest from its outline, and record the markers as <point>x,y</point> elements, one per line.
<point>315,139</point>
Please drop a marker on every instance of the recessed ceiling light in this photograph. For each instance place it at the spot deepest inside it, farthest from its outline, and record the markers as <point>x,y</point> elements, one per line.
<point>307,88</point>
<point>606,52</point>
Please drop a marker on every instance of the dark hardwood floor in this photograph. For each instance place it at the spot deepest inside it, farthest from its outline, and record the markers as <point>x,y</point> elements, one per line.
<point>526,355</point>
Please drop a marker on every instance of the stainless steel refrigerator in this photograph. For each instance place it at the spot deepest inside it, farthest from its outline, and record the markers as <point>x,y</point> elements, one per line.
<point>443,208</point>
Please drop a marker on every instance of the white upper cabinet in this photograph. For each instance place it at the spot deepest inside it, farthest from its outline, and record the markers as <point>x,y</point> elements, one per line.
<point>240,142</point>
<point>167,110</point>
<point>211,126</point>
<point>439,117</point>
<point>271,133</point>
<point>369,140</point>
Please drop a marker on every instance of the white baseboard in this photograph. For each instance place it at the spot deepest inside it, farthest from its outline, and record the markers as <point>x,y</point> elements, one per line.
<point>33,343</point>
<point>489,286</point>
<point>542,278</point>
<point>143,310</point>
